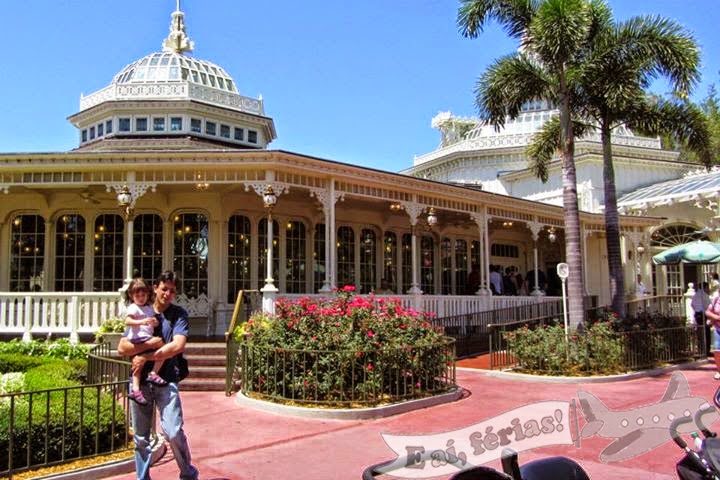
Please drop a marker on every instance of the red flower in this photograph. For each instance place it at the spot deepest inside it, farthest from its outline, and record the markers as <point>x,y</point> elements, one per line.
<point>348,288</point>
<point>370,333</point>
<point>370,367</point>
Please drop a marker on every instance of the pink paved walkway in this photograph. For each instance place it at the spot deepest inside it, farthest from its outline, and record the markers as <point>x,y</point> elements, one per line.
<point>230,442</point>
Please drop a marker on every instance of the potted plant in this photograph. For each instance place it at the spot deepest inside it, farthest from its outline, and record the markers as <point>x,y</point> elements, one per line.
<point>110,331</point>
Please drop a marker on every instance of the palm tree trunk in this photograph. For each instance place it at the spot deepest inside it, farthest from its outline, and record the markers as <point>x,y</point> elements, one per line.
<point>612,225</point>
<point>576,311</point>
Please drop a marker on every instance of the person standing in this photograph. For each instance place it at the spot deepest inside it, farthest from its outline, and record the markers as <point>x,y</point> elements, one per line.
<point>173,331</point>
<point>496,279</point>
<point>700,302</point>
<point>713,315</point>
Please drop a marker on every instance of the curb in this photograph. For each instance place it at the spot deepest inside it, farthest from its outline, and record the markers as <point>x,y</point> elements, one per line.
<point>348,413</point>
<point>525,377</point>
<point>107,469</point>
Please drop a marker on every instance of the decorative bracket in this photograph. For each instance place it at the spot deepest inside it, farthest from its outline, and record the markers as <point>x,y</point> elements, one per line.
<point>259,187</point>
<point>137,189</point>
<point>413,210</point>
<point>323,196</point>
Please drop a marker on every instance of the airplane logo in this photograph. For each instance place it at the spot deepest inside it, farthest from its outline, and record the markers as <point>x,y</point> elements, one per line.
<point>641,429</point>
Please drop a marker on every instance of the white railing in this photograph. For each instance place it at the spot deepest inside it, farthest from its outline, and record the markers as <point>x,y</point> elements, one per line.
<point>56,312</point>
<point>448,305</point>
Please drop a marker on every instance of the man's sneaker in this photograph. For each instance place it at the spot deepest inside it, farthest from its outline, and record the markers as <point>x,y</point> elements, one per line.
<point>137,397</point>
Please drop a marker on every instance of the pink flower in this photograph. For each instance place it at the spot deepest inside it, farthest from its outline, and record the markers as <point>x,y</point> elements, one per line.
<point>370,367</point>
<point>348,288</point>
<point>370,333</point>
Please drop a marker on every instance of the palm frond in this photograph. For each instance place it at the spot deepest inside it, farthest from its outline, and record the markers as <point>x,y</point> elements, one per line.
<point>507,84</point>
<point>513,15</point>
<point>546,143</point>
<point>559,31</point>
<point>681,120</point>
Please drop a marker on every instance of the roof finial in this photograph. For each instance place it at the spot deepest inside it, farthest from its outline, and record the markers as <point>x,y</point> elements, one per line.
<point>178,40</point>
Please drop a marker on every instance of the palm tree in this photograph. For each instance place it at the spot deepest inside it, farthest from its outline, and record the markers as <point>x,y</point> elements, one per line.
<point>554,34</point>
<point>621,62</point>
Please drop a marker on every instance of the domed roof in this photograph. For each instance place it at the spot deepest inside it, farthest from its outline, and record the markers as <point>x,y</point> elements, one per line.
<point>173,66</point>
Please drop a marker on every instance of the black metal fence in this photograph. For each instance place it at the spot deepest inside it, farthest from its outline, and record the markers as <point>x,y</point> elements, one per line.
<point>347,378</point>
<point>49,427</point>
<point>105,365</point>
<point>472,331</point>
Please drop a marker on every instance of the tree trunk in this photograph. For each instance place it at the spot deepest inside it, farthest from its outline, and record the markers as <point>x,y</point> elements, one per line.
<point>575,290</point>
<point>612,225</point>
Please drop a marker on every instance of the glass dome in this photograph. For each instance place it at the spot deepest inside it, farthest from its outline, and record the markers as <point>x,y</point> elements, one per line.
<point>170,66</point>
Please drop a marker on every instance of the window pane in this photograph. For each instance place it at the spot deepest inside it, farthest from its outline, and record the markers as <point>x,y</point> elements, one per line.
<point>319,256</point>
<point>190,253</point>
<point>446,265</point>
<point>124,124</point>
<point>195,125</point>
<point>225,131</point>
<point>27,250</point>
<point>461,271</point>
<point>147,246</point>
<point>406,262</point>
<point>69,253</point>
<point>389,259</point>
<point>108,253</point>
<point>239,134</point>
<point>295,261</point>
<point>158,124</point>
<point>141,125</point>
<point>176,124</point>
<point>108,127</point>
<point>252,136</point>
<point>210,128</point>
<point>345,257</point>
<point>427,261</point>
<point>238,256</point>
<point>368,261</point>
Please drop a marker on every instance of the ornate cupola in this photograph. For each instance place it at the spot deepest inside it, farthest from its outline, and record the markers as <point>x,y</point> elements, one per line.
<point>170,100</point>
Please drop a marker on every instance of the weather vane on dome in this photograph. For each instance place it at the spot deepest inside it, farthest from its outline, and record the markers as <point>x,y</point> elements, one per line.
<point>178,40</point>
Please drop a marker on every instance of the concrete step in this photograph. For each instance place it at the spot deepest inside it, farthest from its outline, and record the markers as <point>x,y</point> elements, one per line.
<point>205,348</point>
<point>207,372</point>
<point>205,360</point>
<point>202,384</point>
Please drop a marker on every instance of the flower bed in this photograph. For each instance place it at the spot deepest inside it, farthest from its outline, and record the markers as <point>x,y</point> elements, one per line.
<point>345,351</point>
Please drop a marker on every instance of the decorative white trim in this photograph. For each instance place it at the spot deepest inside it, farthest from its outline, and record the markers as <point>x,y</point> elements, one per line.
<point>137,189</point>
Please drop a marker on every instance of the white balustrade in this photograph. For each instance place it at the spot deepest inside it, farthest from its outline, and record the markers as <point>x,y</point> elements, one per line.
<point>62,313</point>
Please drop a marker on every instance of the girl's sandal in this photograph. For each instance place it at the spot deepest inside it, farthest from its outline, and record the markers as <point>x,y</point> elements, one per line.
<point>156,380</point>
<point>137,397</point>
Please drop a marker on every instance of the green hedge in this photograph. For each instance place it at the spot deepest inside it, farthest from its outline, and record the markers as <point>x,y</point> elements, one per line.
<point>61,349</point>
<point>17,362</point>
<point>84,414</point>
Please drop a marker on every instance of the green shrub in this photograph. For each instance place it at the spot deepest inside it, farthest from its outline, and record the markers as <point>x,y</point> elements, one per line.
<point>547,350</point>
<point>17,362</point>
<point>61,348</point>
<point>345,349</point>
<point>87,414</point>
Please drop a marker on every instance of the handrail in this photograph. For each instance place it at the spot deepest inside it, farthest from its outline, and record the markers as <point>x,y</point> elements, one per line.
<point>232,348</point>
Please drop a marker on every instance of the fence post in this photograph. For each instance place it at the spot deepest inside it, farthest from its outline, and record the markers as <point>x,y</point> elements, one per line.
<point>27,316</point>
<point>73,320</point>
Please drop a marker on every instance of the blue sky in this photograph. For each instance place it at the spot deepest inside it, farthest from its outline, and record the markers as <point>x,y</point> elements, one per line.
<point>357,82</point>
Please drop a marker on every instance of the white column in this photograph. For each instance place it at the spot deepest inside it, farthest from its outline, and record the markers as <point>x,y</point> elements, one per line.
<point>585,235</point>
<point>328,198</point>
<point>5,247</point>
<point>481,222</point>
<point>535,228</point>
<point>48,264</point>
<point>413,209</point>
<point>486,251</point>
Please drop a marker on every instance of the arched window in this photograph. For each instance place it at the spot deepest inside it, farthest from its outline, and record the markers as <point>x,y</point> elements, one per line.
<point>27,250</point>
<point>262,253</point>
<point>475,253</point>
<point>147,246</point>
<point>389,260</point>
<point>407,262</point>
<point>345,256</point>
<point>368,261</point>
<point>319,257</point>
<point>238,256</point>
<point>672,235</point>
<point>108,253</point>
<point>69,253</point>
<point>461,271</point>
<point>191,253</point>
<point>446,253</point>
<point>295,260</point>
<point>427,262</point>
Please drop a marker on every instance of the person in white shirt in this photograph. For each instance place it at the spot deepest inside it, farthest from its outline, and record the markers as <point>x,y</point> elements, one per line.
<point>496,279</point>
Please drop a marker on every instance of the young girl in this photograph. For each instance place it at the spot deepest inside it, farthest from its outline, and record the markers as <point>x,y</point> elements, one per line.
<point>141,320</point>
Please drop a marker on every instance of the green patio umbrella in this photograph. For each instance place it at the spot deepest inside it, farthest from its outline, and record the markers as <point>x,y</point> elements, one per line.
<point>698,252</point>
